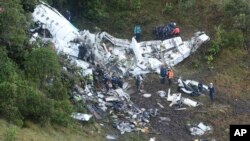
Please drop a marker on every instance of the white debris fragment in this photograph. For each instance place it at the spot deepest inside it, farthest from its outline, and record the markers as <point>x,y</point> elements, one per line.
<point>161,93</point>
<point>81,117</point>
<point>200,129</point>
<point>174,97</point>
<point>110,137</point>
<point>160,105</point>
<point>204,127</point>
<point>147,95</point>
<point>190,102</point>
<point>152,139</point>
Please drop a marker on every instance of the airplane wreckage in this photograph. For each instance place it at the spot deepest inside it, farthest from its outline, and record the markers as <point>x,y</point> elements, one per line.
<point>119,55</point>
<point>122,56</point>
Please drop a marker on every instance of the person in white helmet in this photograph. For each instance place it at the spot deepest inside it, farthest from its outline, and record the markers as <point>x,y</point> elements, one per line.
<point>211,92</point>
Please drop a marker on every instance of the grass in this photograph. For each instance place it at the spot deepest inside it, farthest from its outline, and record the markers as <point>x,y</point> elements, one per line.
<point>34,132</point>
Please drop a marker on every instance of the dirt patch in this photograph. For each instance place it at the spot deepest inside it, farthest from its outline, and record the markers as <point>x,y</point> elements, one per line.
<point>174,125</point>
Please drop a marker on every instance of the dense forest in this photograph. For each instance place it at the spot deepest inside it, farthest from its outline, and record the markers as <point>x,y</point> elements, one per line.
<point>33,85</point>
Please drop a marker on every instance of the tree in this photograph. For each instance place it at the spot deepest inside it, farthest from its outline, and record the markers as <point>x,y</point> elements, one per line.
<point>13,24</point>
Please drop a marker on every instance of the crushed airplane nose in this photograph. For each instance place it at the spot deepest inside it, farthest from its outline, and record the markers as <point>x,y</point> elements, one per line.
<point>126,56</point>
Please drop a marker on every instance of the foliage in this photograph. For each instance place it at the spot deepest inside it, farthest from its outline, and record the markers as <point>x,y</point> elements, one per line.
<point>13,23</point>
<point>168,8</point>
<point>61,114</point>
<point>234,39</point>
<point>42,64</point>
<point>29,5</point>
<point>19,101</point>
<point>239,12</point>
<point>8,71</point>
<point>186,4</point>
<point>56,90</point>
<point>10,134</point>
<point>136,4</point>
<point>237,7</point>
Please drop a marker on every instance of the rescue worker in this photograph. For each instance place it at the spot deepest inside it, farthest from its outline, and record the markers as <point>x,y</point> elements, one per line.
<point>176,32</point>
<point>200,87</point>
<point>137,32</point>
<point>169,29</point>
<point>138,82</point>
<point>106,80</point>
<point>170,76</point>
<point>120,82</point>
<point>163,73</point>
<point>114,80</point>
<point>211,92</point>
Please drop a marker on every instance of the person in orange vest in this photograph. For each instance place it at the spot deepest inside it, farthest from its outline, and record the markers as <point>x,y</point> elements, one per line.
<point>176,32</point>
<point>170,76</point>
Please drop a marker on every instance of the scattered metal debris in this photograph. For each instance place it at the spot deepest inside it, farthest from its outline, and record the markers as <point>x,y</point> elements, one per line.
<point>200,129</point>
<point>122,56</point>
<point>190,87</point>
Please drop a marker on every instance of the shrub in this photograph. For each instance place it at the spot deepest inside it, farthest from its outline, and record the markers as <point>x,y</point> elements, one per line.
<point>168,8</point>
<point>61,115</point>
<point>10,134</point>
<point>234,39</point>
<point>42,64</point>
<point>8,71</point>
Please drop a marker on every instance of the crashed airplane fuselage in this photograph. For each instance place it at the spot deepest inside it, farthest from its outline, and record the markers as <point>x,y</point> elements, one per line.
<point>120,55</point>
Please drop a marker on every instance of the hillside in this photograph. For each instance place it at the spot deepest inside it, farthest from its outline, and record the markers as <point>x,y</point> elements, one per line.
<point>40,111</point>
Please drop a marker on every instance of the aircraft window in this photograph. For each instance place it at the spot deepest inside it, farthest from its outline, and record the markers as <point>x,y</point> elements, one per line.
<point>47,18</point>
<point>37,13</point>
<point>57,23</point>
<point>52,21</point>
<point>42,15</point>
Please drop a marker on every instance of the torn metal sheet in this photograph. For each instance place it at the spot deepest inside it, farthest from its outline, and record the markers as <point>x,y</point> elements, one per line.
<point>112,98</point>
<point>161,93</point>
<point>191,87</point>
<point>110,137</point>
<point>190,102</point>
<point>81,117</point>
<point>200,129</point>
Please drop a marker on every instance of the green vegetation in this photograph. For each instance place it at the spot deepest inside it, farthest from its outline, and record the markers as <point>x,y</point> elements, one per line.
<point>31,87</point>
<point>10,134</point>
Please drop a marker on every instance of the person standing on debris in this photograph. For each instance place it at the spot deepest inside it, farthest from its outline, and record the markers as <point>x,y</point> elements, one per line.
<point>169,29</point>
<point>170,76</point>
<point>138,82</point>
<point>211,92</point>
<point>137,32</point>
<point>106,80</point>
<point>120,82</point>
<point>114,80</point>
<point>163,73</point>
